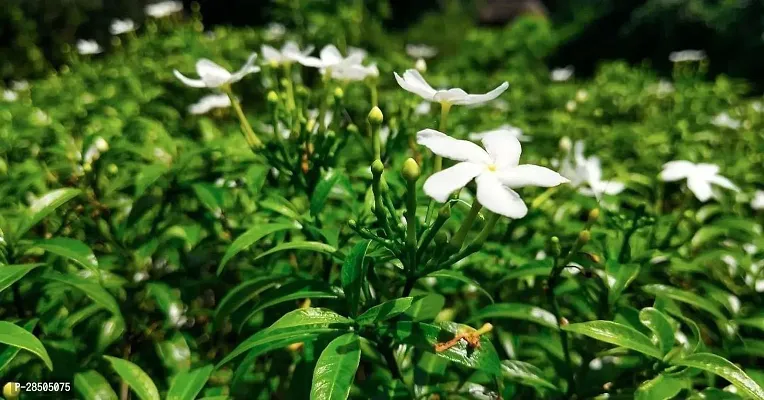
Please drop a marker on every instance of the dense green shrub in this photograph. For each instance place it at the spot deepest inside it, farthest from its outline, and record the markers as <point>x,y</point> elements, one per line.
<point>151,250</point>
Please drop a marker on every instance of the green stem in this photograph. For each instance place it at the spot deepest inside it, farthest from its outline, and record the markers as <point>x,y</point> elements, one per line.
<point>411,239</point>
<point>379,208</point>
<point>376,142</point>
<point>252,139</point>
<point>458,240</point>
<point>374,94</point>
<point>443,215</point>
<point>672,230</point>
<point>291,105</point>
<point>444,109</point>
<point>552,283</point>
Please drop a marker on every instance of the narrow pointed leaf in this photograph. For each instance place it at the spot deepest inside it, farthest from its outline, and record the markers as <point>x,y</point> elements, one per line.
<point>241,295</point>
<point>7,355</point>
<point>43,206</point>
<point>525,373</point>
<point>617,334</point>
<point>187,385</point>
<point>16,336</point>
<point>249,238</point>
<point>449,274</point>
<point>306,245</point>
<point>336,368</point>
<point>71,249</point>
<point>93,386</point>
<point>516,311</point>
<point>663,332</point>
<point>9,274</point>
<point>727,370</point>
<point>322,191</point>
<point>685,297</point>
<point>94,291</point>
<point>353,273</point>
<point>385,311</point>
<point>135,377</point>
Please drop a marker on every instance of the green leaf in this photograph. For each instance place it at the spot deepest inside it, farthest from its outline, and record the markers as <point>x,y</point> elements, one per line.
<point>241,295</point>
<point>685,297</point>
<point>174,353</point>
<point>663,332</point>
<point>622,275</point>
<point>426,307</point>
<point>537,268</point>
<point>209,195</point>
<point>43,206</point>
<point>9,274</point>
<point>322,191</point>
<point>281,206</point>
<point>353,273</point>
<point>336,368</point>
<point>72,249</point>
<point>7,355</point>
<point>385,311</point>
<point>93,386</point>
<point>94,291</point>
<point>724,368</point>
<point>249,238</point>
<point>662,387</point>
<point>617,334</point>
<point>295,326</point>
<point>110,332</point>
<point>449,274</point>
<point>302,245</point>
<point>520,311</point>
<point>134,376</point>
<point>146,177</point>
<point>16,336</point>
<point>526,374</point>
<point>187,385</point>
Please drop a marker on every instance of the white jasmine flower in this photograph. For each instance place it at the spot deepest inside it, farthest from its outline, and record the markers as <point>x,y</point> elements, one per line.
<point>724,120</point>
<point>587,171</point>
<point>88,47</point>
<point>289,52</point>
<point>512,130</point>
<point>330,57</point>
<point>120,26</point>
<point>758,200</point>
<point>562,74</point>
<point>358,52</point>
<point>98,147</point>
<point>274,31</point>
<point>421,51</point>
<point>163,8</point>
<point>423,108</point>
<point>699,177</point>
<point>496,171</point>
<point>210,102</point>
<point>413,82</point>
<point>214,76</point>
<point>10,95</point>
<point>663,88</point>
<point>354,72</point>
<point>750,248</point>
<point>176,314</point>
<point>687,55</point>
<point>19,86</point>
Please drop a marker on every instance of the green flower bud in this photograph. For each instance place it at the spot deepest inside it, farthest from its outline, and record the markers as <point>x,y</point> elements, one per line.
<point>377,168</point>
<point>338,93</point>
<point>87,168</point>
<point>273,98</point>
<point>594,215</point>
<point>112,169</point>
<point>352,223</point>
<point>284,82</point>
<point>375,116</point>
<point>554,246</point>
<point>584,237</point>
<point>410,170</point>
<point>352,128</point>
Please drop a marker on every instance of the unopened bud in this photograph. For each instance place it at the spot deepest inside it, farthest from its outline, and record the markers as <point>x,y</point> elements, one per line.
<point>584,237</point>
<point>352,223</point>
<point>375,116</point>
<point>554,246</point>
<point>338,93</point>
<point>87,168</point>
<point>377,168</point>
<point>594,215</point>
<point>273,98</point>
<point>284,82</point>
<point>421,65</point>
<point>566,144</point>
<point>101,144</point>
<point>410,170</point>
<point>352,128</point>
<point>112,169</point>
<point>301,91</point>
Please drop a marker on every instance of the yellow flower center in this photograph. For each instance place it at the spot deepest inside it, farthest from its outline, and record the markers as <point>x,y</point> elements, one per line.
<point>492,167</point>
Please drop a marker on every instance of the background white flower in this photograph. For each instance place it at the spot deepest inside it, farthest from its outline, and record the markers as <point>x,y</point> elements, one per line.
<point>10,95</point>
<point>512,130</point>
<point>354,72</point>
<point>586,174</point>
<point>210,102</point>
<point>758,200</point>
<point>413,82</point>
<point>724,120</point>
<point>330,57</point>
<point>496,171</point>
<point>289,52</point>
<point>699,177</point>
<point>213,75</point>
<point>687,55</point>
<point>120,26</point>
<point>274,31</point>
<point>421,51</point>
<point>19,86</point>
<point>87,47</point>
<point>164,8</point>
<point>562,74</point>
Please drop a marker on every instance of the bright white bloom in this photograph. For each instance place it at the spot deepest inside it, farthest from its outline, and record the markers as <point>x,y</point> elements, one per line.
<point>587,171</point>
<point>512,130</point>
<point>214,76</point>
<point>687,55</point>
<point>330,57</point>
<point>140,276</point>
<point>274,31</point>
<point>496,171</point>
<point>10,95</point>
<point>699,177</point>
<point>413,82</point>
<point>19,86</point>
<point>210,102</point>
<point>120,26</point>
<point>354,72</point>
<point>663,88</point>
<point>313,117</point>
<point>358,52</point>
<point>164,8</point>
<point>758,200</point>
<point>93,153</point>
<point>87,47</point>
<point>724,120</point>
<point>421,51</point>
<point>562,74</point>
<point>289,52</point>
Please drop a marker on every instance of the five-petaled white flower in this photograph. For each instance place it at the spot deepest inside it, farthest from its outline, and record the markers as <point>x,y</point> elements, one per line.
<point>289,52</point>
<point>87,47</point>
<point>330,57</point>
<point>512,130</point>
<point>164,8</point>
<point>214,76</point>
<point>687,55</point>
<point>120,26</point>
<point>354,72</point>
<point>758,200</point>
<point>586,174</point>
<point>561,74</point>
<point>699,177</point>
<point>421,51</point>
<point>724,120</point>
<point>496,171</point>
<point>210,102</point>
<point>274,31</point>
<point>413,82</point>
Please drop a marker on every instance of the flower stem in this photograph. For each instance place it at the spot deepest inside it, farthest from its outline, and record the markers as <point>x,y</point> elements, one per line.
<point>458,240</point>
<point>443,215</point>
<point>444,109</point>
<point>291,105</point>
<point>411,239</point>
<point>252,139</point>
<point>551,283</point>
<point>374,94</point>
<point>675,225</point>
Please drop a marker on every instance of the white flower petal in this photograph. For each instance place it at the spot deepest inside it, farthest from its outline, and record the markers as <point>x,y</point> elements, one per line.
<point>413,82</point>
<point>498,198</point>
<point>248,68</point>
<point>454,149</point>
<point>503,147</point>
<point>330,54</point>
<point>723,182</point>
<point>270,54</point>
<point>607,187</point>
<point>676,170</point>
<point>453,96</point>
<point>196,83</point>
<point>701,188</point>
<point>758,200</point>
<point>484,98</point>
<point>530,175</point>
<point>705,169</point>
<point>212,74</point>
<point>441,184</point>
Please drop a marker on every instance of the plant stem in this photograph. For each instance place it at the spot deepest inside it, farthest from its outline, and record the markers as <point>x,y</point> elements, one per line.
<point>252,139</point>
<point>444,109</point>
<point>374,95</point>
<point>411,239</point>
<point>672,230</point>
<point>458,240</point>
<point>291,105</point>
<point>551,283</point>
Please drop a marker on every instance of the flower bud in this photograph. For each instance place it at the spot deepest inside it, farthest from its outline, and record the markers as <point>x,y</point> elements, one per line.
<point>87,168</point>
<point>284,82</point>
<point>302,91</point>
<point>410,170</point>
<point>584,237</point>
<point>352,223</point>
<point>101,144</point>
<point>352,128</point>
<point>566,144</point>
<point>273,98</point>
<point>421,65</point>
<point>594,215</point>
<point>377,168</point>
<point>338,93</point>
<point>375,116</point>
<point>112,169</point>
<point>554,246</point>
